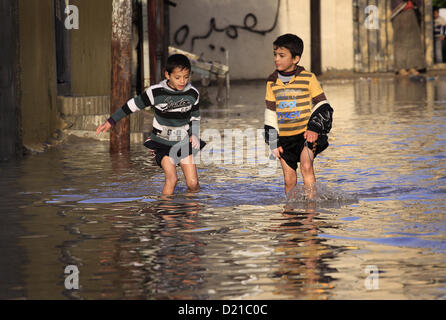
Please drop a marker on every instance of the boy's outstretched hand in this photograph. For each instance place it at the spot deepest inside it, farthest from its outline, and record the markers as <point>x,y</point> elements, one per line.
<point>310,136</point>
<point>103,127</point>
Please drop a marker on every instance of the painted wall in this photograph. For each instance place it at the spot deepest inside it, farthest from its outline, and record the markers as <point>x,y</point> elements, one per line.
<point>295,18</point>
<point>38,71</point>
<point>91,48</point>
<point>443,13</point>
<point>337,35</point>
<point>251,52</point>
<point>244,28</point>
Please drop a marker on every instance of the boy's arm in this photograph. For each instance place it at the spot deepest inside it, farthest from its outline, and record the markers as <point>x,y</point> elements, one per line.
<point>322,113</point>
<point>195,118</point>
<point>133,105</point>
<point>271,124</point>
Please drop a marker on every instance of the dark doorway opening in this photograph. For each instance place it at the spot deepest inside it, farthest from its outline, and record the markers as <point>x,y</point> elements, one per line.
<point>63,49</point>
<point>316,59</point>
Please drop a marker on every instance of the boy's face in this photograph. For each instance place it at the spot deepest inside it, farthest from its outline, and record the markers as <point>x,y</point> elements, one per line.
<point>436,14</point>
<point>283,59</point>
<point>178,79</point>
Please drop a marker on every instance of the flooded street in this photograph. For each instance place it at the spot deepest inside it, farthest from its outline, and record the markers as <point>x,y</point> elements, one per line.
<point>380,234</point>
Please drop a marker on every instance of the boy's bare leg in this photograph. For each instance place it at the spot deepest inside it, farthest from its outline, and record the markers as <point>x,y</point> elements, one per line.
<point>289,176</point>
<point>307,170</point>
<point>170,174</point>
<point>190,173</point>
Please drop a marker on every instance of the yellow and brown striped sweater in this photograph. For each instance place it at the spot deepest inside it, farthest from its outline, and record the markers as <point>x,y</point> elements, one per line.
<point>290,105</point>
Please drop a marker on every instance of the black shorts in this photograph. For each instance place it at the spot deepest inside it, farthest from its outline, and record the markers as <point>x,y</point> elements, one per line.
<point>162,150</point>
<point>293,146</point>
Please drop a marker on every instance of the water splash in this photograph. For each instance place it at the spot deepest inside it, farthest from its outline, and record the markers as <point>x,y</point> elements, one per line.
<point>320,194</point>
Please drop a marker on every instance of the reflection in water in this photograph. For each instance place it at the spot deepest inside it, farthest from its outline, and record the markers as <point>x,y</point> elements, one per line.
<point>177,267</point>
<point>303,261</point>
<point>382,184</point>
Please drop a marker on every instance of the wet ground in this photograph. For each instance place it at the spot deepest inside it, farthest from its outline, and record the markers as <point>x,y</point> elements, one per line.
<point>378,234</point>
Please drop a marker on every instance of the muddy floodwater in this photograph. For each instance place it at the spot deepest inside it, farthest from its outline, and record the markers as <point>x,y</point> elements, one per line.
<point>377,231</point>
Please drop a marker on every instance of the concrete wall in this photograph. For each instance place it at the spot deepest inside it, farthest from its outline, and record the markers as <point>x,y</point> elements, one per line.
<point>91,48</point>
<point>295,18</point>
<point>38,71</point>
<point>251,53</point>
<point>337,35</point>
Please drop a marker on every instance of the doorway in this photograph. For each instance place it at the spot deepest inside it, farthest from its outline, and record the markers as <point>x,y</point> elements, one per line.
<point>63,48</point>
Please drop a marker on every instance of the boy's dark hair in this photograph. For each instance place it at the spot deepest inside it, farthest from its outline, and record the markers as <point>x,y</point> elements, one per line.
<point>435,8</point>
<point>292,43</point>
<point>177,61</point>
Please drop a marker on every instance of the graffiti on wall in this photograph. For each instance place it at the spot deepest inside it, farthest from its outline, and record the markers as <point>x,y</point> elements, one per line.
<point>232,31</point>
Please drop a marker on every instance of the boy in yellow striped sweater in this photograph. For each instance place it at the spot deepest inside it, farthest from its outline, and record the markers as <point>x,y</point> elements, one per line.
<point>298,116</point>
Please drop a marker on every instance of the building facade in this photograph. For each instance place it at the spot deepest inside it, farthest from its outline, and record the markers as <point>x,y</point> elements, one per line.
<point>55,61</point>
<point>354,35</point>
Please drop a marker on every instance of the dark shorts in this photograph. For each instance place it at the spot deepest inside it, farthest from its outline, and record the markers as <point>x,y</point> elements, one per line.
<point>293,146</point>
<point>162,150</point>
